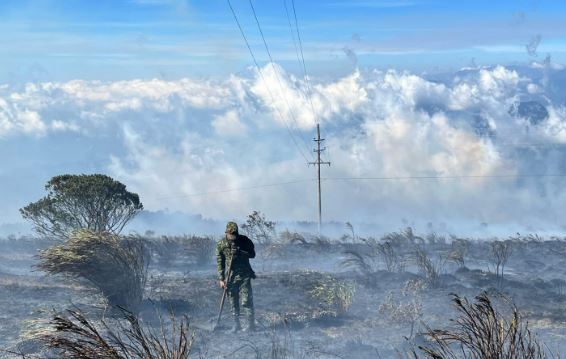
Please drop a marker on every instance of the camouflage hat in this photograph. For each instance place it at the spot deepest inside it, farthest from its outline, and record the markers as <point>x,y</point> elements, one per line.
<point>232,228</point>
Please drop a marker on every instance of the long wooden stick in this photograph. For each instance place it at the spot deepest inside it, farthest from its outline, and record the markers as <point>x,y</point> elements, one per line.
<point>228,277</point>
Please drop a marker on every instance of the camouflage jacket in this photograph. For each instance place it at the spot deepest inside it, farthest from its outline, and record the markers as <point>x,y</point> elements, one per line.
<point>241,266</point>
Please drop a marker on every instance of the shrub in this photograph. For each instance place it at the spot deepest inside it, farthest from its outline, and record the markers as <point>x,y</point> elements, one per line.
<point>457,257</point>
<point>393,262</point>
<point>335,296</point>
<point>200,249</point>
<point>459,250</point>
<point>500,252</point>
<point>405,307</point>
<point>434,239</point>
<point>481,331</point>
<point>292,237</point>
<point>114,265</point>
<point>167,249</point>
<point>76,337</point>
<point>360,261</point>
<point>365,260</point>
<point>258,228</point>
<point>431,269</point>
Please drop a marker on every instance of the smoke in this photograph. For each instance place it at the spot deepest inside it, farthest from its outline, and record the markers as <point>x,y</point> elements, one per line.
<point>350,54</point>
<point>533,45</point>
<point>519,18</point>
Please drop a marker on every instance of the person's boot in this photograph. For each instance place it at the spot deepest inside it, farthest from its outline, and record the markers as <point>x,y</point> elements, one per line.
<point>236,327</point>
<point>251,323</point>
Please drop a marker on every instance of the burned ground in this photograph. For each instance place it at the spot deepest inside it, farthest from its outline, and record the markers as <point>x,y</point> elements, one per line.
<point>361,298</point>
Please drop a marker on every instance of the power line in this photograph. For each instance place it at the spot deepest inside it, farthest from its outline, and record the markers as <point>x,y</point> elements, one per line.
<point>529,144</point>
<point>292,31</point>
<point>393,178</point>
<point>240,189</point>
<point>308,94</point>
<point>439,177</point>
<point>266,84</point>
<point>293,116</point>
<point>309,87</point>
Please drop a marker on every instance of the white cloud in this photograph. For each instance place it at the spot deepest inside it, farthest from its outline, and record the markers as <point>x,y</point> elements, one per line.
<point>14,118</point>
<point>64,126</point>
<point>555,127</point>
<point>229,125</point>
<point>534,89</point>
<point>301,106</point>
<point>192,136</point>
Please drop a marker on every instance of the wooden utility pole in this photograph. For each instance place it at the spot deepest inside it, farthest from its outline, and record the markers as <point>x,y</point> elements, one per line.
<point>318,162</point>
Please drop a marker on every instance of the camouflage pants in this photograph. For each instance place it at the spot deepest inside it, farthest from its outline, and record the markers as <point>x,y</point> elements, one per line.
<point>240,288</point>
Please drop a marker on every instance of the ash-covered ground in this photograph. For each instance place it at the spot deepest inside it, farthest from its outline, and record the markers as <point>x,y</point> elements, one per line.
<point>314,298</point>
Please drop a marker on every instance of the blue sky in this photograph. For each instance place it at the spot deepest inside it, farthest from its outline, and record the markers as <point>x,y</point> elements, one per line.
<point>124,39</point>
<point>161,95</point>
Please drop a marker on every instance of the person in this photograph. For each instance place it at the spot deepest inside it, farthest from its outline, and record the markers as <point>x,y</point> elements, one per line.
<point>238,249</point>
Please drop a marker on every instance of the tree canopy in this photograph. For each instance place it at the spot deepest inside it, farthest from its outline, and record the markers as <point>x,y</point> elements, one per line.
<point>95,202</point>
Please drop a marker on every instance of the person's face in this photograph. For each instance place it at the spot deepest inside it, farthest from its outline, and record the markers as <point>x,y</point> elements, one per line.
<point>230,236</point>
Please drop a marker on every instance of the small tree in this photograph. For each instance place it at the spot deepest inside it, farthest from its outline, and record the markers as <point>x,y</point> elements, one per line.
<point>94,202</point>
<point>258,228</point>
<point>500,253</point>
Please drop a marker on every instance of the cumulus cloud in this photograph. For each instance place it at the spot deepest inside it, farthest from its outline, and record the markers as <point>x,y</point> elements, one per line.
<point>229,125</point>
<point>14,118</point>
<point>189,144</point>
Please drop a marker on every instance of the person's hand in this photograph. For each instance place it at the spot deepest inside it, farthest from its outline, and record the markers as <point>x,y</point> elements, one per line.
<point>222,284</point>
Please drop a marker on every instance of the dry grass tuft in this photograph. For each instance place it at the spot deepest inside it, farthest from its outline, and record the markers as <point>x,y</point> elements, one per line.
<point>429,267</point>
<point>76,337</point>
<point>483,332</point>
<point>116,266</point>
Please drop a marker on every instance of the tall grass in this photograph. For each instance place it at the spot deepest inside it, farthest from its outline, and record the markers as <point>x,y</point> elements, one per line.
<point>77,337</point>
<point>114,265</point>
<point>481,331</point>
<point>430,267</point>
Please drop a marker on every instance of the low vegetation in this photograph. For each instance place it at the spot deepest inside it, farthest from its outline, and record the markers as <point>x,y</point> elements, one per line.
<point>190,249</point>
<point>405,307</point>
<point>77,337</point>
<point>334,295</point>
<point>117,266</point>
<point>319,297</point>
<point>483,331</point>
